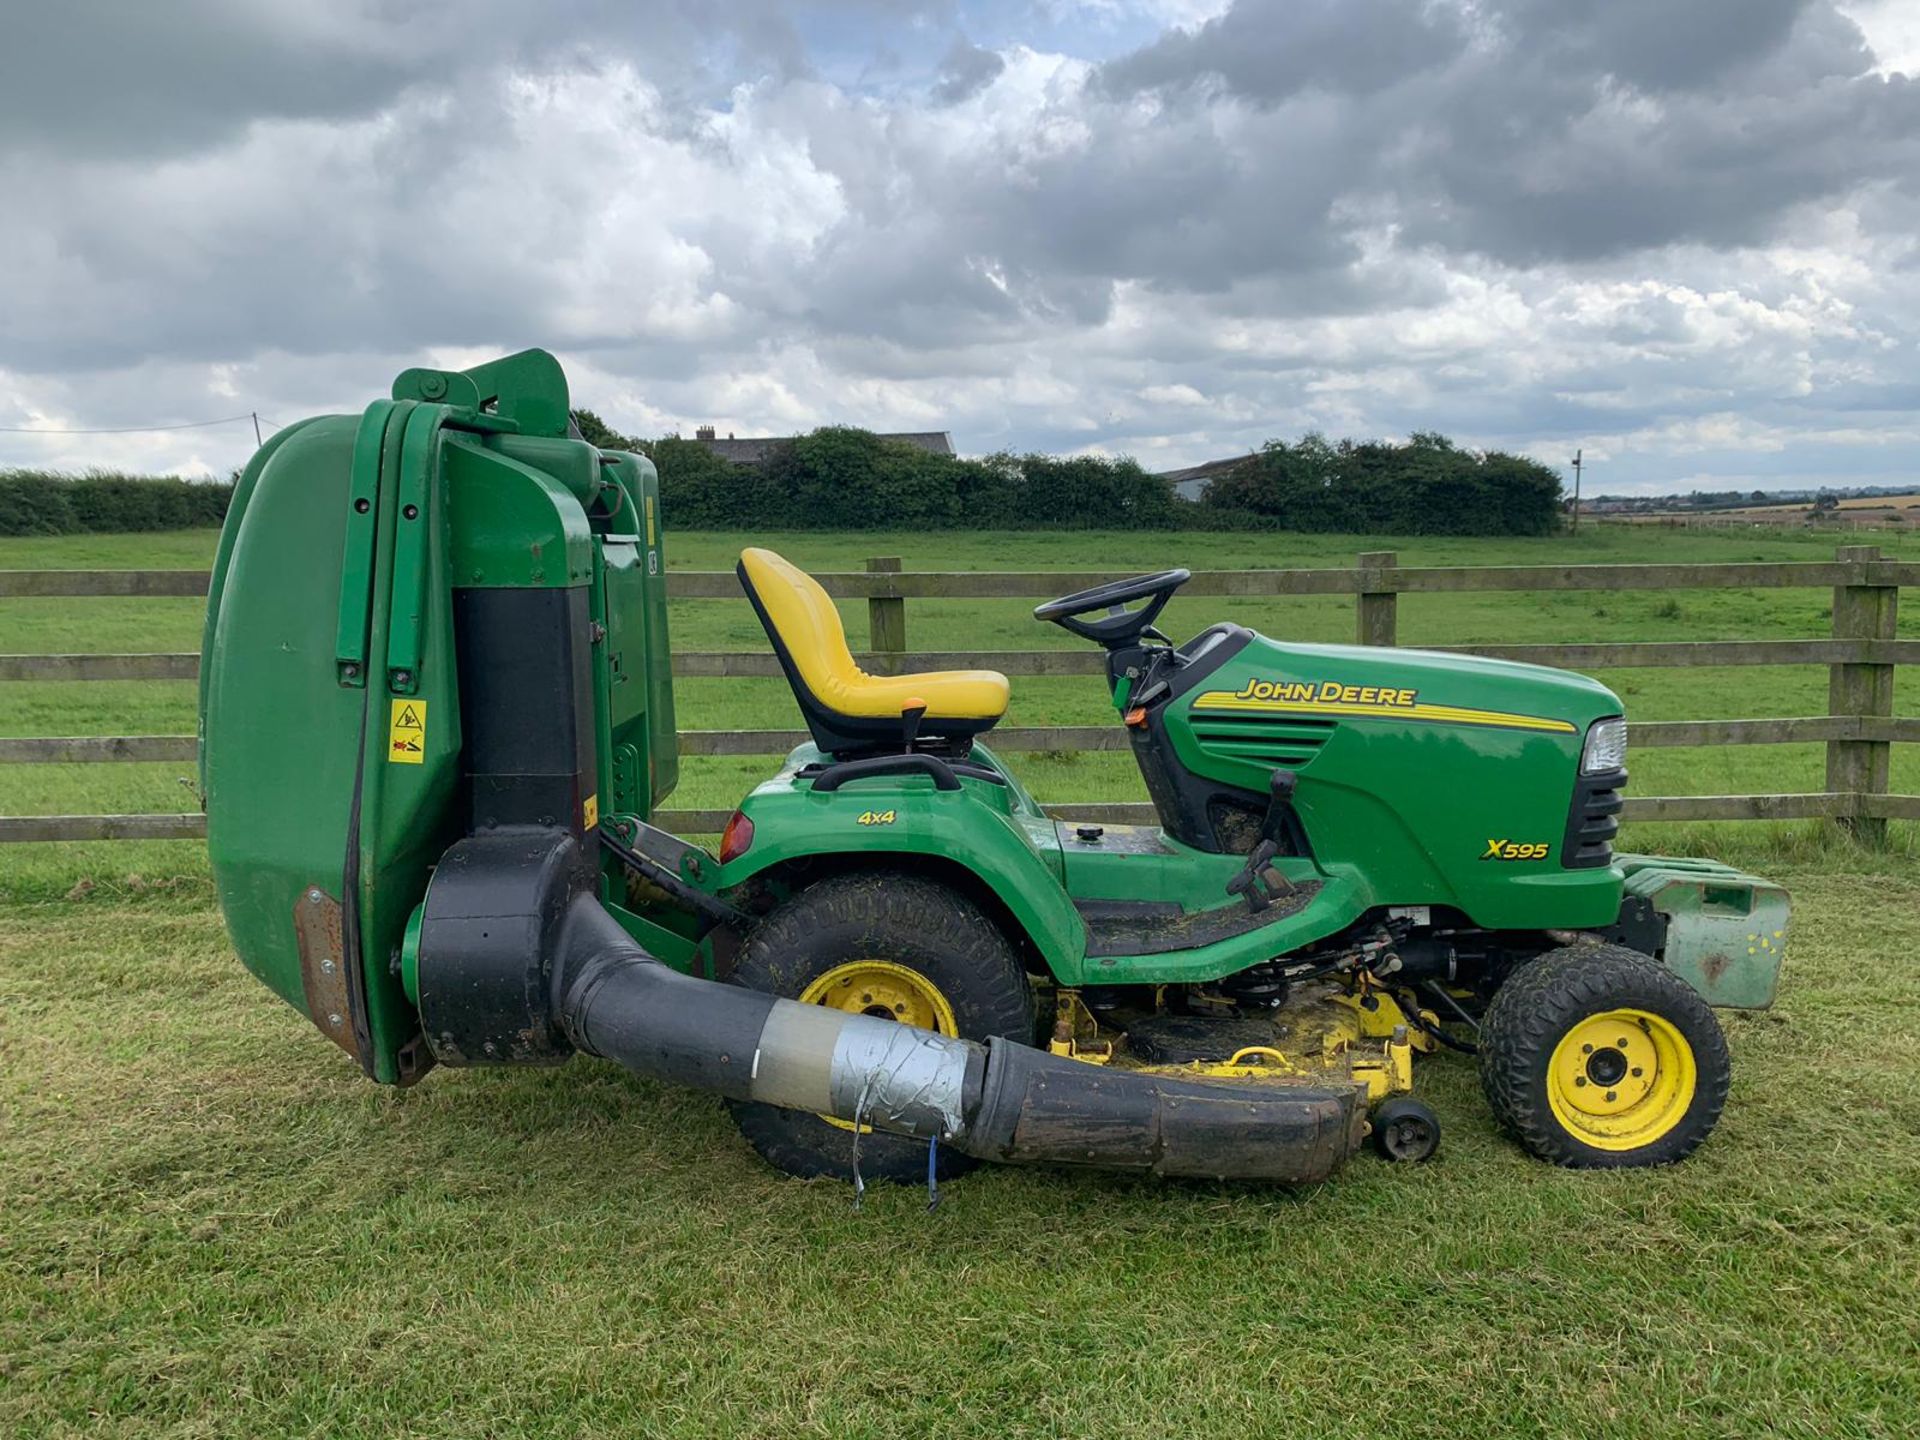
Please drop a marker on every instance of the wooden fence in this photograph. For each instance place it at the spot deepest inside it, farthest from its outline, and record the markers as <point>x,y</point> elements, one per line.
<point>1859,728</point>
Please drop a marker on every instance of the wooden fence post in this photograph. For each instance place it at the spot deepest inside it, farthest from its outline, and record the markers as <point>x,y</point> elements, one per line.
<point>1862,691</point>
<point>1376,610</point>
<point>886,615</point>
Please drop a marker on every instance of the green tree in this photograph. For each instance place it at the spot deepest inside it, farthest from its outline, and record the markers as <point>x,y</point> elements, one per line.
<point>1427,486</point>
<point>598,433</point>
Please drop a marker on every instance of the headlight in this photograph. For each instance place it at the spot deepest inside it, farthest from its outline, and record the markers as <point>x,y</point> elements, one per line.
<point>1606,747</point>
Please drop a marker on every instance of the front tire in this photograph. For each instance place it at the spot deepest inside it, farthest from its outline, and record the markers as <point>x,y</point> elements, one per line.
<point>889,944</point>
<point>1599,1057</point>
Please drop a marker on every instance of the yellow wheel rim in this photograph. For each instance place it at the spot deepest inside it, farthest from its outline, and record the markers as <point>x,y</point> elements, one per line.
<point>887,991</point>
<point>1622,1079</point>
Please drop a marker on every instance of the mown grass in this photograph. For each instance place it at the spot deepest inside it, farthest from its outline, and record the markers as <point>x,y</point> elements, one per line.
<point>209,1226</point>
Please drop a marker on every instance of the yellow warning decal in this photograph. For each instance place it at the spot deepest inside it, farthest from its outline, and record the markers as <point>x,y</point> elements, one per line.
<point>590,812</point>
<point>407,733</point>
<point>649,510</point>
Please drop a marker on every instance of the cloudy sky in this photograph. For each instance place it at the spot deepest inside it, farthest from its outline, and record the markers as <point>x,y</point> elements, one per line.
<point>1678,233</point>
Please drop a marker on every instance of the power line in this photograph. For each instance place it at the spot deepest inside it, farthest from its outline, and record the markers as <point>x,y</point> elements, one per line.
<point>124,429</point>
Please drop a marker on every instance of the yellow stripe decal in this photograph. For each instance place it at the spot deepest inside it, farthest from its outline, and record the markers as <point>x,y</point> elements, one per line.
<point>1437,714</point>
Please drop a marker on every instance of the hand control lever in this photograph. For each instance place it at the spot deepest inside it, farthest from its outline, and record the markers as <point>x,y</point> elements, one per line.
<point>911,714</point>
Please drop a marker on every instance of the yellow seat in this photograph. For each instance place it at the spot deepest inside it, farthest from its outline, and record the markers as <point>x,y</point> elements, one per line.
<point>845,707</point>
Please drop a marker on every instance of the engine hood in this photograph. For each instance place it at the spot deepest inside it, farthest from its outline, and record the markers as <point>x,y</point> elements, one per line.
<point>1444,779</point>
<point>1562,694</point>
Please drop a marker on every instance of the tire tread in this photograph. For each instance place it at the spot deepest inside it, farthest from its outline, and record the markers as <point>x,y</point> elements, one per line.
<point>1543,999</point>
<point>828,923</point>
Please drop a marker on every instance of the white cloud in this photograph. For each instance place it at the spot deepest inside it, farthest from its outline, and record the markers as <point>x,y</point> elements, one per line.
<point>1892,28</point>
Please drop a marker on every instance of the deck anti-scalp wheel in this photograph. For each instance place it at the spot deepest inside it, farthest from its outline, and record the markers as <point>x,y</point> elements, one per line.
<point>1405,1129</point>
<point>895,946</point>
<point>1596,1056</point>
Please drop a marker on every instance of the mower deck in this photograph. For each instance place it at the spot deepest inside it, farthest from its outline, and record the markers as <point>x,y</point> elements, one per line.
<point>1321,1035</point>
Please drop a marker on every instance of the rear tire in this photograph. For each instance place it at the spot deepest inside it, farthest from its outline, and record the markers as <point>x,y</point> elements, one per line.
<point>1599,1057</point>
<point>877,942</point>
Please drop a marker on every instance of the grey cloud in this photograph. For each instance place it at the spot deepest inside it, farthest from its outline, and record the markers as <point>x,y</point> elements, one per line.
<point>1525,176</point>
<point>1656,45</point>
<point>1269,50</point>
<point>1543,129</point>
<point>131,76</point>
<point>143,78</point>
<point>966,71</point>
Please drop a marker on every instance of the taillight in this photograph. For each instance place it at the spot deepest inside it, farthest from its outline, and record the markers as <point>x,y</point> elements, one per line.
<point>735,839</point>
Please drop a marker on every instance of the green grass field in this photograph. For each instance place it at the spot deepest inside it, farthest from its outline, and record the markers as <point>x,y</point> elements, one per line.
<point>118,625</point>
<point>210,1227</point>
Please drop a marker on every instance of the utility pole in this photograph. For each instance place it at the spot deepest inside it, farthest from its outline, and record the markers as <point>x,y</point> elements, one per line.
<point>256,431</point>
<point>1576,491</point>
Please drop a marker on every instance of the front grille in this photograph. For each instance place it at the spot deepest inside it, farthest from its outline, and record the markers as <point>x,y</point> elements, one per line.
<point>1593,820</point>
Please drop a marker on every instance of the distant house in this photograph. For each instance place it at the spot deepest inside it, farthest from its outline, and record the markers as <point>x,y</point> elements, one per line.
<point>1192,482</point>
<point>757,449</point>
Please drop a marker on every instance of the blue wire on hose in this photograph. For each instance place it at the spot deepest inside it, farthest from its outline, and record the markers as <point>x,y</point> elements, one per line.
<point>933,1173</point>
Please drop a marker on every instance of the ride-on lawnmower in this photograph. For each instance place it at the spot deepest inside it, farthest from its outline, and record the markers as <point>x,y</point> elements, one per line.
<point>437,718</point>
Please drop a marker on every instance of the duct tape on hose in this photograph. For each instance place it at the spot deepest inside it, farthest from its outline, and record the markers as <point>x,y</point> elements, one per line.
<point>913,1081</point>
<point>901,1079</point>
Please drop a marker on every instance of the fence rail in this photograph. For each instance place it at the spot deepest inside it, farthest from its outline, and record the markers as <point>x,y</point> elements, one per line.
<point>1383,576</point>
<point>1860,654</point>
<point>748,664</point>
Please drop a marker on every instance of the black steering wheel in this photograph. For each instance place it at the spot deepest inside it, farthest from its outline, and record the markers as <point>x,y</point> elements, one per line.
<point>1119,627</point>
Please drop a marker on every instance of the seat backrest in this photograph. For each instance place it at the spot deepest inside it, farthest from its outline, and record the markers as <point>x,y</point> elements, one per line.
<point>803,624</point>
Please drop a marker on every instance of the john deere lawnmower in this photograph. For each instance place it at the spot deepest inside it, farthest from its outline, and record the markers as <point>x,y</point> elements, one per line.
<point>437,717</point>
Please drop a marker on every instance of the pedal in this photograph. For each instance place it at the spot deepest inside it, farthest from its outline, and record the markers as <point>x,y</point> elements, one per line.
<point>1258,883</point>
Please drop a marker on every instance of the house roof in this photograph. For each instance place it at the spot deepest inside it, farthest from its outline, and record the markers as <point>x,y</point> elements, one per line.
<point>755,450</point>
<point>1191,483</point>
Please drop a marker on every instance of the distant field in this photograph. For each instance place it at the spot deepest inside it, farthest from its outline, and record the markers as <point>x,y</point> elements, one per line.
<point>1892,510</point>
<point>716,782</point>
<point>1857,502</point>
<point>1854,503</point>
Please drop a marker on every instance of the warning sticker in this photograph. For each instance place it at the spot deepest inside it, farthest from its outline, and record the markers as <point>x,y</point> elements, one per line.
<point>407,733</point>
<point>590,812</point>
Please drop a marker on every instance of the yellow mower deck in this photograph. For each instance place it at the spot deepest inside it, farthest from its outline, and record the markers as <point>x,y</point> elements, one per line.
<point>1327,1033</point>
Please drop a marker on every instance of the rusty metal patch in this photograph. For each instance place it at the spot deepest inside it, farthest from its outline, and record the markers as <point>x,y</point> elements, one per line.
<point>323,967</point>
